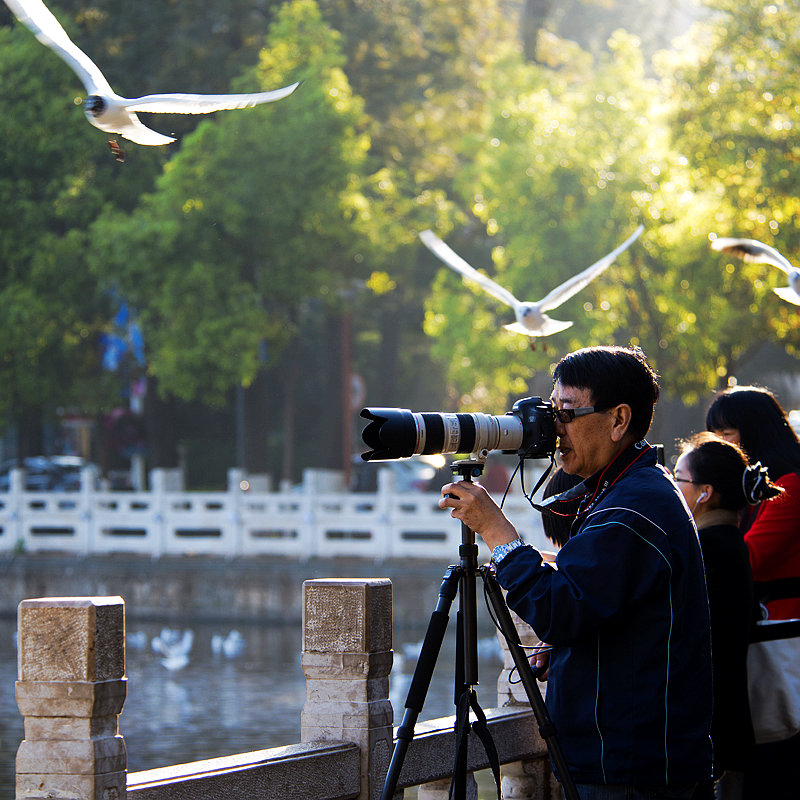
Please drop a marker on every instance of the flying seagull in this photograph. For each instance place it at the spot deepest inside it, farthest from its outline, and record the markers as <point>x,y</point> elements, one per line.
<point>531,317</point>
<point>104,108</point>
<point>760,253</point>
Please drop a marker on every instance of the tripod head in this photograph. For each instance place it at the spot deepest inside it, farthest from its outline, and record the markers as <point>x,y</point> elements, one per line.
<point>468,468</point>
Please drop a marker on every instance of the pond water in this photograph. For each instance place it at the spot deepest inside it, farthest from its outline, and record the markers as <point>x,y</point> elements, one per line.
<point>219,704</point>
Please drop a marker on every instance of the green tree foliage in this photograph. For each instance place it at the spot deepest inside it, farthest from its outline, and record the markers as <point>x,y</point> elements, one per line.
<point>248,220</point>
<point>556,182</point>
<point>251,246</point>
<point>734,119</point>
<point>51,170</point>
<point>574,158</point>
<point>419,65</point>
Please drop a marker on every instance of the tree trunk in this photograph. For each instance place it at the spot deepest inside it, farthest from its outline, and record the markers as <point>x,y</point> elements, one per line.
<point>385,392</point>
<point>30,433</point>
<point>534,15</point>
<point>257,405</point>
<point>162,441</point>
<point>289,375</point>
<point>329,419</point>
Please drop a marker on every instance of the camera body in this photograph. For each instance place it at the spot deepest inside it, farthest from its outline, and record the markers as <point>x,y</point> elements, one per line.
<point>538,420</point>
<point>528,430</point>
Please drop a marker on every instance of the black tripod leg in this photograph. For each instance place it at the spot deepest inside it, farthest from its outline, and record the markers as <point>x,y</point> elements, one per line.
<point>528,678</point>
<point>421,681</point>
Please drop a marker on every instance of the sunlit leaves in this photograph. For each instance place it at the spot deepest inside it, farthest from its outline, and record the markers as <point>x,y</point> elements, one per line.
<point>553,181</point>
<point>736,104</point>
<point>567,161</point>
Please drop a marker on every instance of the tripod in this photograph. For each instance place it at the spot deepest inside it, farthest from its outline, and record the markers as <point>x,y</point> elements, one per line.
<point>461,579</point>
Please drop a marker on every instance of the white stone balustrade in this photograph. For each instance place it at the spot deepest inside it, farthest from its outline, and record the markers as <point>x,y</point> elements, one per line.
<point>308,521</point>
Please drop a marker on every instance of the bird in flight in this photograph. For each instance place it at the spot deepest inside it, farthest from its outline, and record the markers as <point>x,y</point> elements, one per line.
<point>760,253</point>
<point>531,317</point>
<point>108,111</point>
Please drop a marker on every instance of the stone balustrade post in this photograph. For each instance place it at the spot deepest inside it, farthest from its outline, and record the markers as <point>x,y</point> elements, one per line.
<point>347,658</point>
<point>440,790</point>
<point>522,780</point>
<point>70,690</point>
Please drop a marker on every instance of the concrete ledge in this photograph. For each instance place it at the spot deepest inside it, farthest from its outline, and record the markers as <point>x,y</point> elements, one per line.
<point>330,771</point>
<point>71,639</point>
<point>430,754</point>
<point>294,772</point>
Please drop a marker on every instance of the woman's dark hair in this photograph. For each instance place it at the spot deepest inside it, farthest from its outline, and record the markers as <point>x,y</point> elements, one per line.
<point>724,466</point>
<point>557,520</point>
<point>613,375</point>
<point>764,430</point>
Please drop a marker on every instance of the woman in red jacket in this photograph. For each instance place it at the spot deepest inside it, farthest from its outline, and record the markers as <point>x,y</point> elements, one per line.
<point>751,417</point>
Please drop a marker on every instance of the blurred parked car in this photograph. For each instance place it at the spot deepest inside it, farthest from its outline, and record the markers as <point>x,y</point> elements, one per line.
<point>413,474</point>
<point>46,473</point>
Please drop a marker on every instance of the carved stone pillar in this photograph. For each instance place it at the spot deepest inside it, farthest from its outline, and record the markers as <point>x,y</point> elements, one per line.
<point>71,688</point>
<point>347,658</point>
<point>440,790</point>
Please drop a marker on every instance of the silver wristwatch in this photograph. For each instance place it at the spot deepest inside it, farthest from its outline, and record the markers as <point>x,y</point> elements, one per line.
<point>502,550</point>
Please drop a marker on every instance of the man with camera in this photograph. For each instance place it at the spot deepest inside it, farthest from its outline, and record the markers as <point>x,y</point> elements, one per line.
<point>624,611</point>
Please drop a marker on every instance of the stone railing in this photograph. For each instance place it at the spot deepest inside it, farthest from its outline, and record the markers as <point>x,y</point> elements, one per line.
<point>312,520</point>
<point>71,689</point>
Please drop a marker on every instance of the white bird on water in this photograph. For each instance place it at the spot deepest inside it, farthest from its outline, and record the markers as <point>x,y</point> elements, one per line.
<point>174,646</point>
<point>760,253</point>
<point>108,111</point>
<point>230,646</point>
<point>531,317</point>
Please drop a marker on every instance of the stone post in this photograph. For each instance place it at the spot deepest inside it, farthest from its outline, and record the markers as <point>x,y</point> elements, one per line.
<point>440,790</point>
<point>347,658</point>
<point>523,779</point>
<point>71,688</point>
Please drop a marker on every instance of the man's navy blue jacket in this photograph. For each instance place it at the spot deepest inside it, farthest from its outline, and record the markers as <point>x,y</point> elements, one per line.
<point>626,612</point>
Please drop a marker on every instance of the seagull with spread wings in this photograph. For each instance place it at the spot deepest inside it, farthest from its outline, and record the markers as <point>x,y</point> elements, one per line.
<point>531,317</point>
<point>760,253</point>
<point>108,111</point>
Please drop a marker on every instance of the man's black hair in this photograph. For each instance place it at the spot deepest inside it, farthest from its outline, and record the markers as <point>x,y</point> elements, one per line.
<point>614,375</point>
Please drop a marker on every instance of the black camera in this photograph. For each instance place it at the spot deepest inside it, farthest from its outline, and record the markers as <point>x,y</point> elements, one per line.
<point>529,430</point>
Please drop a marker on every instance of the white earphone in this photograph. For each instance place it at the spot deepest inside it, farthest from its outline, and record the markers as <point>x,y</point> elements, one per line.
<point>703,496</point>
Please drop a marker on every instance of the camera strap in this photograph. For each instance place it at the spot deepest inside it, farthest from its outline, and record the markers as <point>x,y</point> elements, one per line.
<point>598,484</point>
<point>529,495</point>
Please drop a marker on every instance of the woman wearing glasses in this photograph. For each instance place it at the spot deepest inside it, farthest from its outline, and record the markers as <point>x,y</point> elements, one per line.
<point>718,484</point>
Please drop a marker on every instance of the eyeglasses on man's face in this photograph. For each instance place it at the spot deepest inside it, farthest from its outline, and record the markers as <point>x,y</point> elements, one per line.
<point>566,415</point>
<point>684,480</point>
